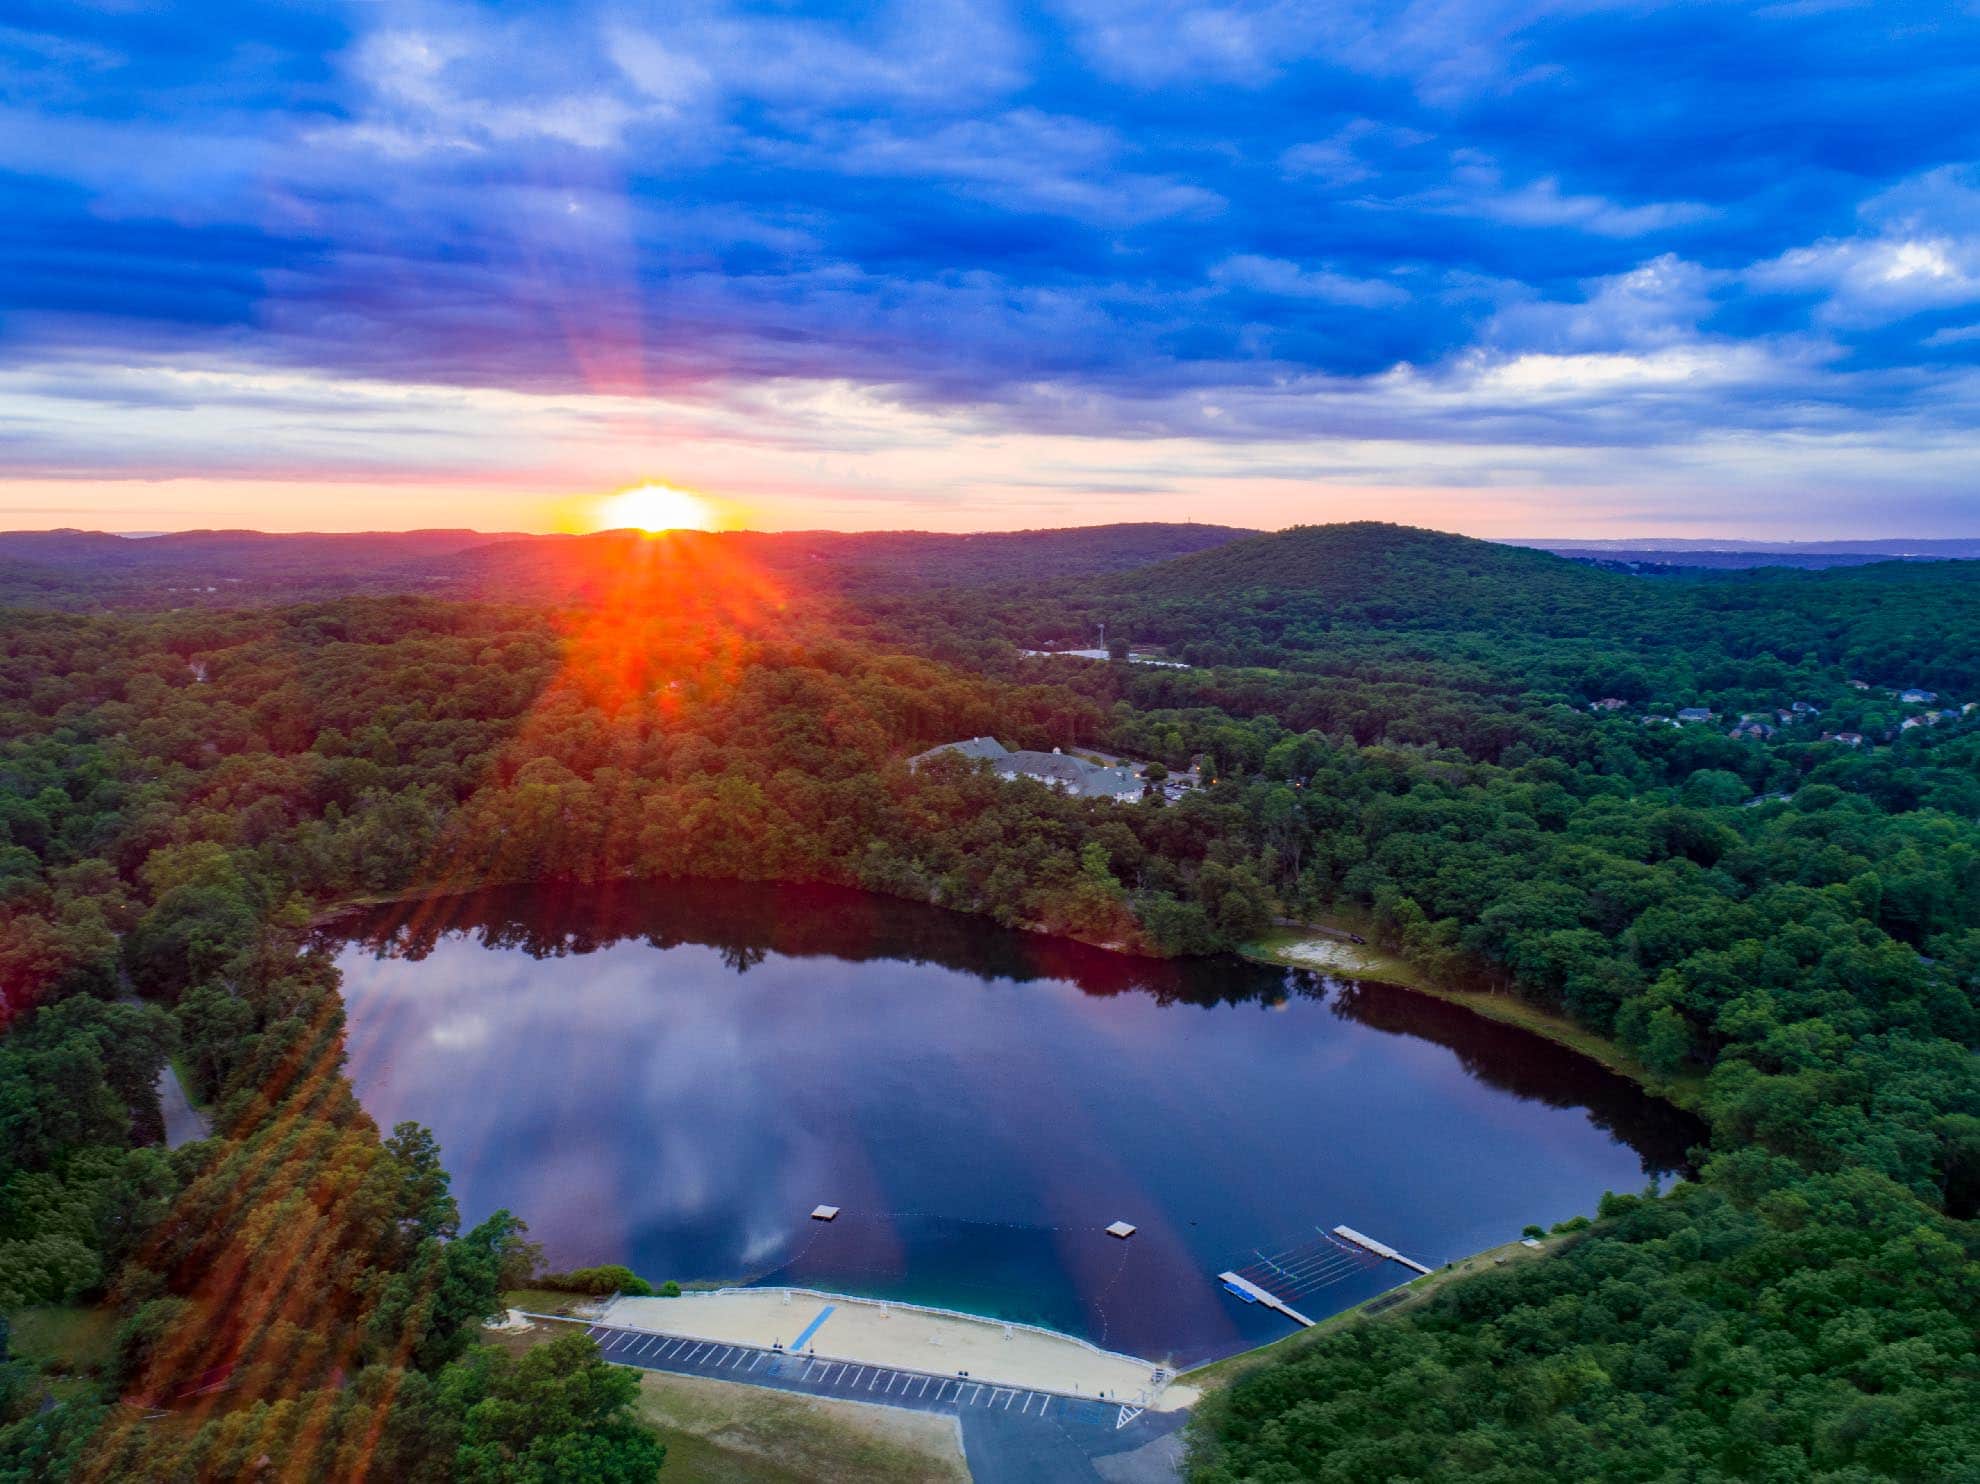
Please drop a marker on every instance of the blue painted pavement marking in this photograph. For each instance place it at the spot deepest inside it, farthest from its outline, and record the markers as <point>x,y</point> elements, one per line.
<point>812,1328</point>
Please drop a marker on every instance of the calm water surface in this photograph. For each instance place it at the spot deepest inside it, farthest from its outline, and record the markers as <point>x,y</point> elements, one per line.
<point>671,1075</point>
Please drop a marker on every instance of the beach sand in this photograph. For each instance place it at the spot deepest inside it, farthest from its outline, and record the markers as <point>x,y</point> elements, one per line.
<point>872,1333</point>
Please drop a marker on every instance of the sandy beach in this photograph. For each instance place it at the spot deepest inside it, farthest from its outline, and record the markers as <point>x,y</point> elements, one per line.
<point>937,1341</point>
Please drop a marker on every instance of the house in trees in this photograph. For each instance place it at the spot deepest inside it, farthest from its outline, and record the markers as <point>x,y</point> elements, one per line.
<point>1695,713</point>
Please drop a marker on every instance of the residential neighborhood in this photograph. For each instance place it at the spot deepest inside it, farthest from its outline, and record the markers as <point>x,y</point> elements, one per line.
<point>1769,725</point>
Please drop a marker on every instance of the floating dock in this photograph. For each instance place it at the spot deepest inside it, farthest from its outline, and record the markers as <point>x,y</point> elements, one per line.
<point>1251,1293</point>
<point>1380,1249</point>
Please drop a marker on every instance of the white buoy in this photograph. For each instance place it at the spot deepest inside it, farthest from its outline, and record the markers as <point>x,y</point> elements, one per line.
<point>824,1213</point>
<point>1120,1229</point>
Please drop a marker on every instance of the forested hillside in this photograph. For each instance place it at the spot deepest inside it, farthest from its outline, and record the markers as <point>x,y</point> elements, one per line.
<point>1789,928</point>
<point>219,570</point>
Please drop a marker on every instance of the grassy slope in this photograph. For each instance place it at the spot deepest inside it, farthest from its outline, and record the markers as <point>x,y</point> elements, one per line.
<point>720,1431</point>
<point>78,1339</point>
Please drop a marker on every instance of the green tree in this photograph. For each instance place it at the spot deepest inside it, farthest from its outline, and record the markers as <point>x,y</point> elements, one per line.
<point>561,1413</point>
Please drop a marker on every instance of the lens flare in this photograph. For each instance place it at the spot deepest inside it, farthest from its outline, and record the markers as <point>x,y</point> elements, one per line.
<point>657,507</point>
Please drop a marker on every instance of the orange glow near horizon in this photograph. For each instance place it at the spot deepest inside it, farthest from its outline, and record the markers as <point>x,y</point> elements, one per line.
<point>658,507</point>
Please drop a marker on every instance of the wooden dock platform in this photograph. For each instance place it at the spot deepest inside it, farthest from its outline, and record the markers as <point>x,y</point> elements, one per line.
<point>1261,1296</point>
<point>1380,1249</point>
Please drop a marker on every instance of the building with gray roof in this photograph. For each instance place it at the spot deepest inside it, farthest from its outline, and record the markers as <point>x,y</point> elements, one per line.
<point>1056,769</point>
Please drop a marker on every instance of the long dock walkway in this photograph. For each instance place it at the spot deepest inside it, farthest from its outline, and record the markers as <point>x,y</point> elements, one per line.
<point>1245,1288</point>
<point>1380,1249</point>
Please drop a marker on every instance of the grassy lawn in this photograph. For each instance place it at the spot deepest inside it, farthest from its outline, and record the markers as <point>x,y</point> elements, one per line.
<point>74,1339</point>
<point>1411,1295</point>
<point>1296,948</point>
<point>721,1431</point>
<point>545,1300</point>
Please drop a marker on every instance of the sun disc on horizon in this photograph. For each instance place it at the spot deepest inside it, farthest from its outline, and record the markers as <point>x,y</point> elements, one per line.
<point>657,507</point>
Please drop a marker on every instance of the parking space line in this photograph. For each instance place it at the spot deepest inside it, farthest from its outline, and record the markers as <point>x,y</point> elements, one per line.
<point>924,1385</point>
<point>874,1382</point>
<point>975,1392</point>
<point>1043,1405</point>
<point>741,1356</point>
<point>1008,1400</point>
<point>759,1359</point>
<point>1027,1403</point>
<point>861,1371</point>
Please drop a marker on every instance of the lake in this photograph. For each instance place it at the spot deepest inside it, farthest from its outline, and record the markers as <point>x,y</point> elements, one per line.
<point>671,1075</point>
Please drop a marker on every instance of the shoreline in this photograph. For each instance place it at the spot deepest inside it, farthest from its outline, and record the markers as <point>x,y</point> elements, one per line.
<point>1216,1375</point>
<point>854,1329</point>
<point>1316,947</point>
<point>1321,946</point>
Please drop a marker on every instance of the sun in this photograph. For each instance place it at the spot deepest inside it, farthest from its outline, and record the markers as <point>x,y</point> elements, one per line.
<point>657,507</point>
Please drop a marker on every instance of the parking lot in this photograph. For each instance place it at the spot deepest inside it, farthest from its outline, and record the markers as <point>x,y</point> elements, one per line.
<point>919,1391</point>
<point>1010,1435</point>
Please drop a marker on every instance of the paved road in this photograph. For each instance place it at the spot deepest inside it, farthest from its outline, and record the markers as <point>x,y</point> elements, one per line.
<point>183,1122</point>
<point>1011,1435</point>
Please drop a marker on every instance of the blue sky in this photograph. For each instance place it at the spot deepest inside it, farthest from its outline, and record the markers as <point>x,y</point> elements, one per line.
<point>1517,269</point>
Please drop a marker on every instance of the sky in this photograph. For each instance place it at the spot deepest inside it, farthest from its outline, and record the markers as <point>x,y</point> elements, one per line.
<point>1514,269</point>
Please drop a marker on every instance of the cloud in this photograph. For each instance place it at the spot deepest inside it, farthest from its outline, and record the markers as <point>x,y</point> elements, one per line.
<point>1477,187</point>
<point>1281,279</point>
<point>1532,232</point>
<point>1659,304</point>
<point>1921,253</point>
<point>1022,160</point>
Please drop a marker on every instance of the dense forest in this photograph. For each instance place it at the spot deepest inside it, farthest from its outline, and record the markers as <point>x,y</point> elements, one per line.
<point>1389,722</point>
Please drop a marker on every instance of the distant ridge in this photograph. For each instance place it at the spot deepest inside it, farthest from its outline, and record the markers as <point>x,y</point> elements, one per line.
<point>1735,554</point>
<point>222,568</point>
